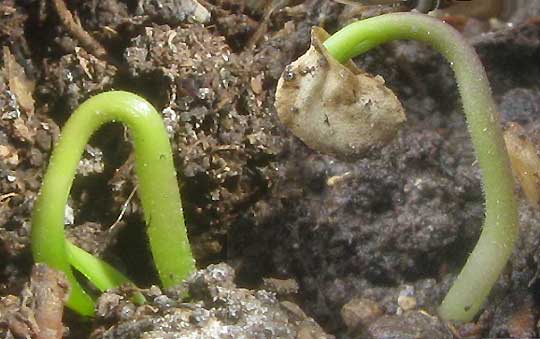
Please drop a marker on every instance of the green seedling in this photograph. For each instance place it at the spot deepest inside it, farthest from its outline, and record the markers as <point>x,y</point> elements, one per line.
<point>500,228</point>
<point>158,191</point>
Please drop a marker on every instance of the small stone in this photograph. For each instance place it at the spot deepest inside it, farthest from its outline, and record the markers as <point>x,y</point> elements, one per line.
<point>406,299</point>
<point>410,325</point>
<point>407,303</point>
<point>107,303</point>
<point>359,313</point>
<point>281,287</point>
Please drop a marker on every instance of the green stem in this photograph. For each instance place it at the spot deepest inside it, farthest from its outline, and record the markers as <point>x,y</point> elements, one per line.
<point>500,229</point>
<point>100,273</point>
<point>158,190</point>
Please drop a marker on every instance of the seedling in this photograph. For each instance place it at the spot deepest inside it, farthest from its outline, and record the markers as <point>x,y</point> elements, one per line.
<point>500,228</point>
<point>158,191</point>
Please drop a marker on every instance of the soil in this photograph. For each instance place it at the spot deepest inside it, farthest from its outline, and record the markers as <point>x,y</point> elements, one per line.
<point>316,246</point>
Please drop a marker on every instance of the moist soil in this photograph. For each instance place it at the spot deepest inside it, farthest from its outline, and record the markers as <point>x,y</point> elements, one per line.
<point>300,244</point>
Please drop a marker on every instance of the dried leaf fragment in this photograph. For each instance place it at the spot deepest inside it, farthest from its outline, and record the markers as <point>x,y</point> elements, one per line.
<point>524,160</point>
<point>334,108</point>
<point>19,84</point>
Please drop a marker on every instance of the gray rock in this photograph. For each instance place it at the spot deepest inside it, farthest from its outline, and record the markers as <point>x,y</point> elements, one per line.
<point>215,308</point>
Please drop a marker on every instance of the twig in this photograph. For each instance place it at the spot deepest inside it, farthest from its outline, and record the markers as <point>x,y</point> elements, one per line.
<point>254,39</point>
<point>116,225</point>
<point>50,291</point>
<point>75,29</point>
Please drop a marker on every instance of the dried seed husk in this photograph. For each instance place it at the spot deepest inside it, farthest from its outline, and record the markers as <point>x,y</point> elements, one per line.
<point>334,108</point>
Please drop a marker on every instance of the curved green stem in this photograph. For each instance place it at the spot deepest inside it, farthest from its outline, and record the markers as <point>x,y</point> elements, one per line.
<point>100,273</point>
<point>158,190</point>
<point>499,232</point>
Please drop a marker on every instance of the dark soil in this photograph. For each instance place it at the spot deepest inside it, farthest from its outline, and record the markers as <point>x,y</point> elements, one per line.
<point>383,236</point>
